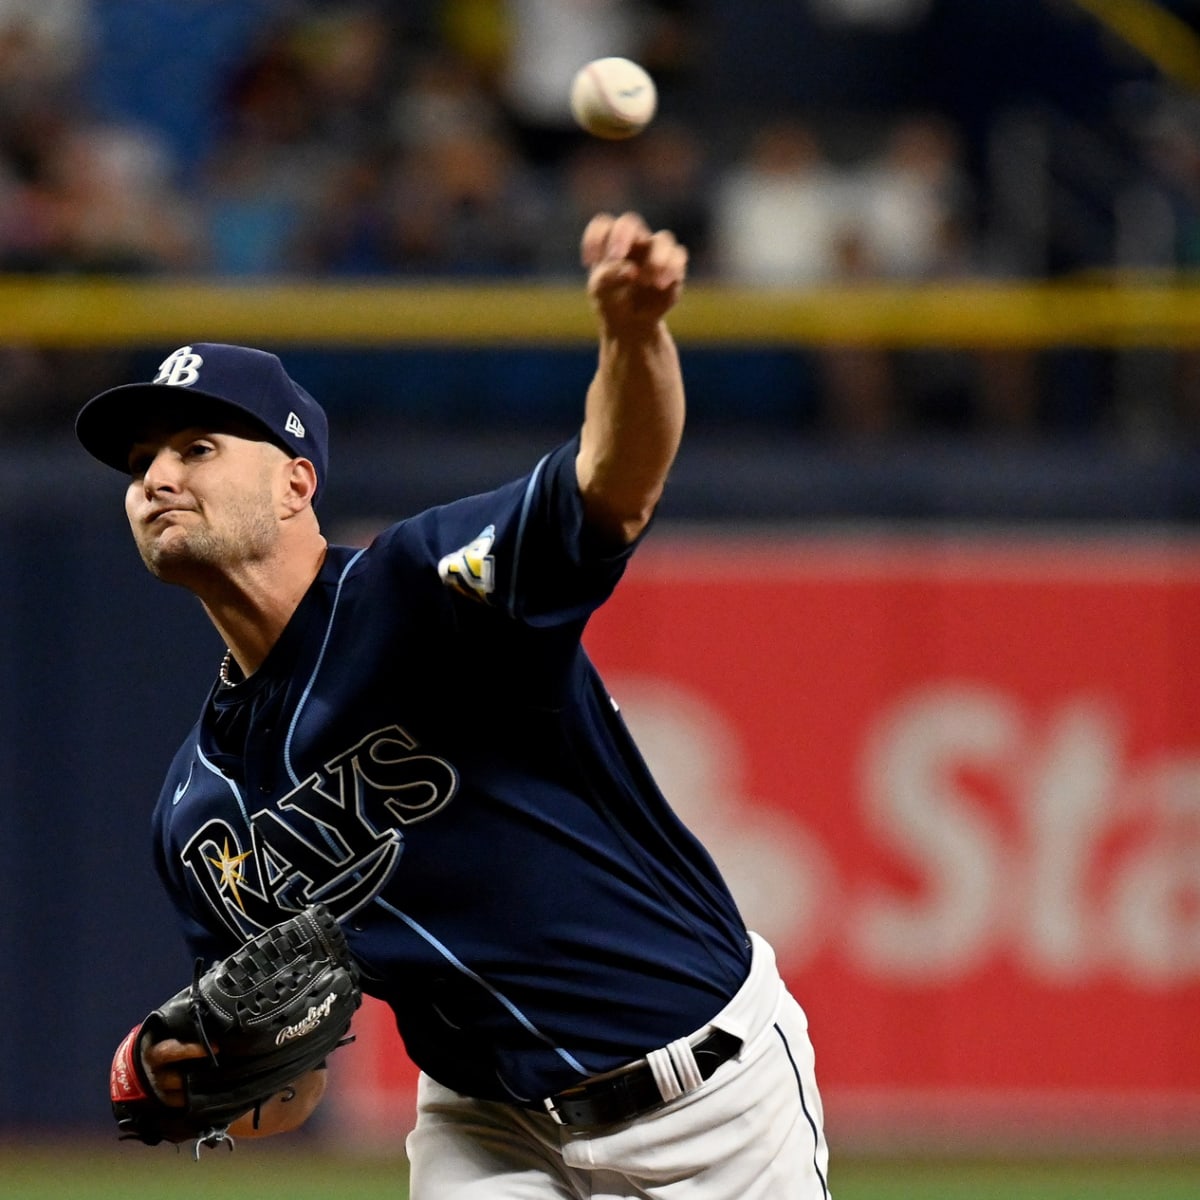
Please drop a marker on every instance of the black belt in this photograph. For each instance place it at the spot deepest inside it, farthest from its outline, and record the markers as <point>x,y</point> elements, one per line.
<point>632,1092</point>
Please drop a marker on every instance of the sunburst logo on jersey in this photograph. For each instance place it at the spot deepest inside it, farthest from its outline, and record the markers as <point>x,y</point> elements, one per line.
<point>472,570</point>
<point>230,868</point>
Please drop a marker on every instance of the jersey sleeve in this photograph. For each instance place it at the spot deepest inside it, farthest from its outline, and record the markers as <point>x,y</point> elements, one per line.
<point>524,548</point>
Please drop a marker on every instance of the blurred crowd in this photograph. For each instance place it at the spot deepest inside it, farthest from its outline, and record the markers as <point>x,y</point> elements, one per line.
<point>343,138</point>
<point>349,140</point>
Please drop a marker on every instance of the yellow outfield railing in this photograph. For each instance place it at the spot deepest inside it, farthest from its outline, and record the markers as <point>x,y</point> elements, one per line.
<point>88,312</point>
<point>1162,37</point>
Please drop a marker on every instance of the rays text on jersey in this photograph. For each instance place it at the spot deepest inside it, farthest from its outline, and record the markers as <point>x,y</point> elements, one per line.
<point>336,838</point>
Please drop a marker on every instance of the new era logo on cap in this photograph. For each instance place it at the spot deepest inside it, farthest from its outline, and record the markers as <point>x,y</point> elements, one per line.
<point>252,383</point>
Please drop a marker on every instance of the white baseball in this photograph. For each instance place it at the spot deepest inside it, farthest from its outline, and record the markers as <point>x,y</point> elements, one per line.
<point>613,98</point>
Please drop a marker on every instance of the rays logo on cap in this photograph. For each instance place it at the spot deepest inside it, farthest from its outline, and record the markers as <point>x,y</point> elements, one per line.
<point>207,378</point>
<point>181,369</point>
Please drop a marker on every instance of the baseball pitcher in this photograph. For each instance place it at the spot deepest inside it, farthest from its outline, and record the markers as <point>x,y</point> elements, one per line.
<point>407,778</point>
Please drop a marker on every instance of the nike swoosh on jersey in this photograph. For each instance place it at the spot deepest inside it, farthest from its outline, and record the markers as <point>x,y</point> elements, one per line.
<point>183,787</point>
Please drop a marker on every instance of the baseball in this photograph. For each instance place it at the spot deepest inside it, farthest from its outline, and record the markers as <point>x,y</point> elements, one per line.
<point>613,98</point>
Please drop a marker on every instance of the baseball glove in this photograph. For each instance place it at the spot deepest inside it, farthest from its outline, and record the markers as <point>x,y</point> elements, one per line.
<point>268,1014</point>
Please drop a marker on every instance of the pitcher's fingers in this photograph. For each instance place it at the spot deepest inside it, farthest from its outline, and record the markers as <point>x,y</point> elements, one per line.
<point>595,238</point>
<point>158,1055</point>
<point>609,237</point>
<point>629,237</point>
<point>665,261</point>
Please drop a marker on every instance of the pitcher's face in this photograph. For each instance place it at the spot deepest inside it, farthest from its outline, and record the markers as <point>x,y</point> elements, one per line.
<point>202,501</point>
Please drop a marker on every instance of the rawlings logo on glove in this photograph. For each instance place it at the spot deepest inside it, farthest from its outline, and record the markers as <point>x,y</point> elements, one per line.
<point>309,1023</point>
<point>268,1014</point>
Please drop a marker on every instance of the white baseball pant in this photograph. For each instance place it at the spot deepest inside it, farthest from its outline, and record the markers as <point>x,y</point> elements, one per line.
<point>753,1131</point>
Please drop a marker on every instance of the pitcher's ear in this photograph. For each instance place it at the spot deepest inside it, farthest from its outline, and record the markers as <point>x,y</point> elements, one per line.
<point>301,478</point>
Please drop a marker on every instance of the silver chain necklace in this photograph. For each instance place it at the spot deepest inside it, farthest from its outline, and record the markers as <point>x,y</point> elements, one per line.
<point>223,670</point>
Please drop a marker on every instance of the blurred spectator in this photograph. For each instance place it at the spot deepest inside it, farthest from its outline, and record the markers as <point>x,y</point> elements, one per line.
<point>290,117</point>
<point>597,177</point>
<point>100,199</point>
<point>458,204</point>
<point>115,204</point>
<point>463,204</point>
<point>349,232</point>
<point>673,187</point>
<point>785,215</point>
<point>912,203</point>
<point>346,57</point>
<point>442,95</point>
<point>1168,137</point>
<point>43,43</point>
<point>28,142</point>
<point>777,215</point>
<point>548,41</point>
<point>862,398</point>
<point>910,223</point>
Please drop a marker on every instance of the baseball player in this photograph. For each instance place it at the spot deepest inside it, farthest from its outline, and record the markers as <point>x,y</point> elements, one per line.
<point>412,735</point>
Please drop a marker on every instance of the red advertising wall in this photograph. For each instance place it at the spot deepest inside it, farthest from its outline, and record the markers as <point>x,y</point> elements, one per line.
<point>958,786</point>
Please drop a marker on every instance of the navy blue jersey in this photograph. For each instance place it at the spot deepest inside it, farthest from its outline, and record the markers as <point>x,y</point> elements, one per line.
<point>428,750</point>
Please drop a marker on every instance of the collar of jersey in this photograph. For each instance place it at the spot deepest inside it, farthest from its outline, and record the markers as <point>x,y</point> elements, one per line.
<point>281,658</point>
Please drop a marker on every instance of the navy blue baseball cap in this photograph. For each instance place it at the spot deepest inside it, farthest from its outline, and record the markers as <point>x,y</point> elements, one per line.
<point>195,380</point>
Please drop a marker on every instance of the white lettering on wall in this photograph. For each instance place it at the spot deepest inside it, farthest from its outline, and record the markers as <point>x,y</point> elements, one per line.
<point>1091,867</point>
<point>989,829</point>
<point>913,804</point>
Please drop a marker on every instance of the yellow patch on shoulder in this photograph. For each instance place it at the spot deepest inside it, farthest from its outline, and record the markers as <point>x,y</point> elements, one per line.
<point>471,570</point>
